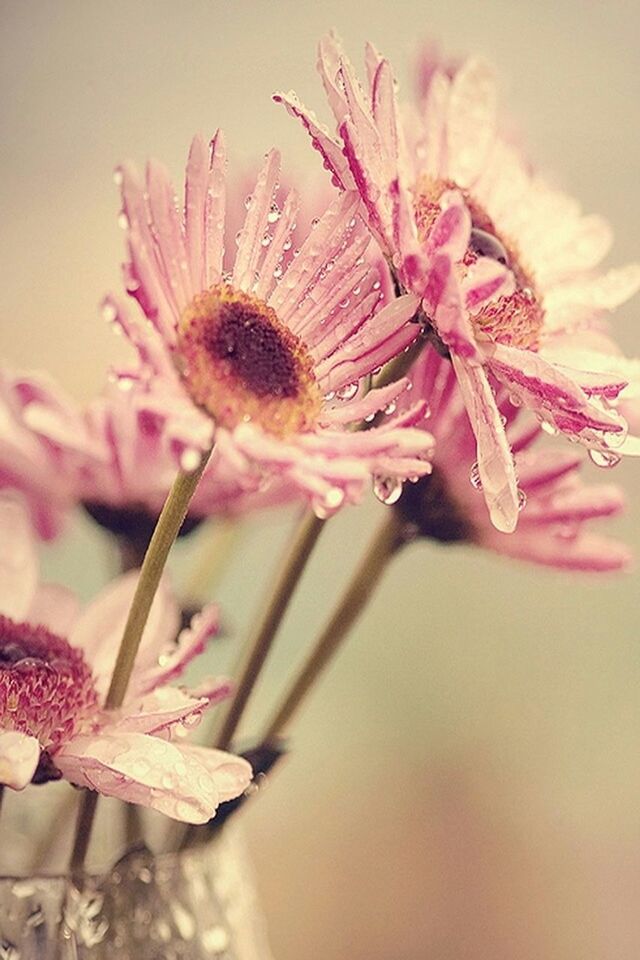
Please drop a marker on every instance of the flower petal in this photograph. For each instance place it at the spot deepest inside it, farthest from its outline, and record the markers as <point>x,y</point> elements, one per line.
<point>19,756</point>
<point>495,462</point>
<point>18,559</point>
<point>149,771</point>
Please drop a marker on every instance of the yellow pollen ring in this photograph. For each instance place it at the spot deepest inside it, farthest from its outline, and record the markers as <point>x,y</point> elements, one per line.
<point>240,363</point>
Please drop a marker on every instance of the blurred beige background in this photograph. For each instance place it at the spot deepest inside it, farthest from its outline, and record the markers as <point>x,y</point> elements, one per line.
<point>465,784</point>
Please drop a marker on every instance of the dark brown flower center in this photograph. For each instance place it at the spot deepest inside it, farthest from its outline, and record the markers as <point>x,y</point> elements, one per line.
<point>516,319</point>
<point>240,363</point>
<point>46,688</point>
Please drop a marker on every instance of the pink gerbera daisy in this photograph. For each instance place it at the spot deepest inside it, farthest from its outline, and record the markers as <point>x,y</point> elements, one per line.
<point>503,264</point>
<point>557,508</point>
<point>55,668</point>
<point>43,441</point>
<point>269,356</point>
<point>116,458</point>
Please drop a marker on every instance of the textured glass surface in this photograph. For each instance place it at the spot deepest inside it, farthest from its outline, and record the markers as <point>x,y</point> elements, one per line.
<point>196,905</point>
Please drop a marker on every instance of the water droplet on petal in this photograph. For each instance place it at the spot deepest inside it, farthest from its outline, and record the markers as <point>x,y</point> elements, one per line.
<point>109,312</point>
<point>549,428</point>
<point>387,489</point>
<point>522,499</point>
<point>123,220</point>
<point>604,458</point>
<point>248,201</point>
<point>190,459</point>
<point>347,392</point>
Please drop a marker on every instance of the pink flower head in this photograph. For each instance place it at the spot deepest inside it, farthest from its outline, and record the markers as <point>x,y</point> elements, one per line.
<point>503,263</point>
<point>55,669</point>
<point>43,440</point>
<point>557,509</point>
<point>268,356</point>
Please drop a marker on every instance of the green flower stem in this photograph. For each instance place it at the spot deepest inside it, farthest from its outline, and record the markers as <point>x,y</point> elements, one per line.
<point>167,528</point>
<point>387,540</point>
<point>261,640</point>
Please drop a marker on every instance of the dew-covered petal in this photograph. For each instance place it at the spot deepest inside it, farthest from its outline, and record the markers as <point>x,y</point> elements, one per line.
<point>18,559</point>
<point>169,233</point>
<point>577,300</point>
<point>142,769</point>
<point>19,756</point>
<point>232,774</point>
<point>471,120</point>
<point>328,148</point>
<point>307,277</point>
<point>169,660</point>
<point>387,334</point>
<point>495,462</point>
<point>170,711</point>
<point>256,225</point>
<point>547,390</point>
<point>370,404</point>
<point>443,301</point>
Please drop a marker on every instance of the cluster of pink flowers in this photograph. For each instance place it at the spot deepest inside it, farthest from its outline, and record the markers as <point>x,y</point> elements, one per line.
<point>440,256</point>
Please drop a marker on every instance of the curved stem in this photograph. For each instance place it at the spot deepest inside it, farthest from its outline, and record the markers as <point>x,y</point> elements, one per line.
<point>169,522</point>
<point>386,542</point>
<point>261,640</point>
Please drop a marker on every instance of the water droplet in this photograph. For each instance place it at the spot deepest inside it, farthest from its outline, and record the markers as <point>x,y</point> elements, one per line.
<point>315,222</point>
<point>616,439</point>
<point>487,245</point>
<point>189,459</point>
<point>474,476</point>
<point>248,201</point>
<point>277,273</point>
<point>514,400</point>
<point>522,499</point>
<point>215,940</point>
<point>274,213</point>
<point>390,408</point>
<point>604,458</point>
<point>109,312</point>
<point>287,245</point>
<point>387,489</point>
<point>370,418</point>
<point>266,240</point>
<point>347,392</point>
<point>123,220</point>
<point>549,428</point>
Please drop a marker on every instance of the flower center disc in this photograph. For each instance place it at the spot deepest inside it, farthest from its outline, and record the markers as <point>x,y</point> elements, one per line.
<point>240,363</point>
<point>46,687</point>
<point>515,320</point>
